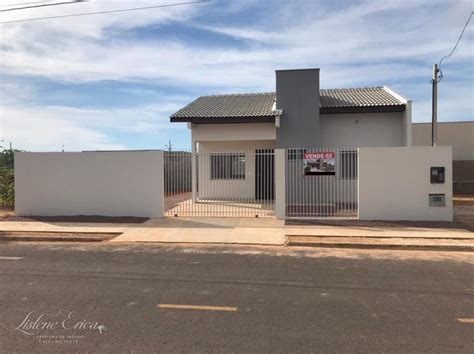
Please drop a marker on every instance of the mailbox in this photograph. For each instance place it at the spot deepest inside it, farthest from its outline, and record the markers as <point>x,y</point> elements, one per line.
<point>437,200</point>
<point>437,175</point>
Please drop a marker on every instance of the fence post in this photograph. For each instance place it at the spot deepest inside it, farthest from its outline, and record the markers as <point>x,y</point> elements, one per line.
<point>280,184</point>
<point>194,171</point>
<point>160,212</point>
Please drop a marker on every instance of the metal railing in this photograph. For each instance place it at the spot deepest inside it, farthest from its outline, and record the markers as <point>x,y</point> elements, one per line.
<point>322,183</point>
<point>219,184</point>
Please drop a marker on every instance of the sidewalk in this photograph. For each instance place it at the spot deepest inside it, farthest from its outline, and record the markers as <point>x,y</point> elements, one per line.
<point>254,231</point>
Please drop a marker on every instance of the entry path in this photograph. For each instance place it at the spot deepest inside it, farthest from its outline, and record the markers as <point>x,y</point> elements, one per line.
<point>263,231</point>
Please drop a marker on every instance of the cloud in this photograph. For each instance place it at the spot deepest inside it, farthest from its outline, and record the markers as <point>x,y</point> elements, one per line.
<point>93,50</point>
<point>49,129</point>
<point>37,127</point>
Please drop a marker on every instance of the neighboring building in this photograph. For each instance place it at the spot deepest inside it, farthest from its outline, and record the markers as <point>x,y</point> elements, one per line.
<point>459,135</point>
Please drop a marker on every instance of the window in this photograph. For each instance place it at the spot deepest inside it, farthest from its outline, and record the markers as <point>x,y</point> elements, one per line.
<point>296,154</point>
<point>228,166</point>
<point>348,164</point>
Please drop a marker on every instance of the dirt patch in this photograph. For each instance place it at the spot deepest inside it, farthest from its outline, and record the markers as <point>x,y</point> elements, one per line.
<point>42,236</point>
<point>464,215</point>
<point>463,200</point>
<point>10,216</point>
<point>172,201</point>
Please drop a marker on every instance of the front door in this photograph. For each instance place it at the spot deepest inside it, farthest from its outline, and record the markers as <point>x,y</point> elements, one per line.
<point>264,177</point>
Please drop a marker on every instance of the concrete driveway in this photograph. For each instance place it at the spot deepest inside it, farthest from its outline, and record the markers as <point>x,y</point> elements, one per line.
<point>263,231</point>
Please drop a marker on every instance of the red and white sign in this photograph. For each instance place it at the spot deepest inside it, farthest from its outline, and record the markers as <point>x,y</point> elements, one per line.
<point>319,155</point>
<point>319,163</point>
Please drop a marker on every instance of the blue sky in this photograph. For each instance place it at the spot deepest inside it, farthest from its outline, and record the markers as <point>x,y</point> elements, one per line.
<point>111,81</point>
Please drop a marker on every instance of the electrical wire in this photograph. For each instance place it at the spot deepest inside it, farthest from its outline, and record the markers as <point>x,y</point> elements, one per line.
<point>107,12</point>
<point>26,3</point>
<point>44,5</point>
<point>452,51</point>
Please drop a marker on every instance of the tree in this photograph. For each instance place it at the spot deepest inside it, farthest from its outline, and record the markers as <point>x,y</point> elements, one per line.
<point>7,179</point>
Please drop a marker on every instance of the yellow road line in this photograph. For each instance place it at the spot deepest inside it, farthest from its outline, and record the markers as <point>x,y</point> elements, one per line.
<point>466,320</point>
<point>197,307</point>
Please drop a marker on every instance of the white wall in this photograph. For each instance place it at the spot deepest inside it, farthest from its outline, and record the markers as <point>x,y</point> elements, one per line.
<point>459,135</point>
<point>362,130</point>
<point>128,183</point>
<point>226,188</point>
<point>230,132</point>
<point>394,183</point>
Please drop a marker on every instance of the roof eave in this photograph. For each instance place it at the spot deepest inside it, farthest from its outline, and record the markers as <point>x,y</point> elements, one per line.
<point>363,109</point>
<point>223,120</point>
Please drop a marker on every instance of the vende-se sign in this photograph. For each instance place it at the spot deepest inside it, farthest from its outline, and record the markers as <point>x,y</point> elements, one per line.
<point>319,163</point>
<point>319,155</point>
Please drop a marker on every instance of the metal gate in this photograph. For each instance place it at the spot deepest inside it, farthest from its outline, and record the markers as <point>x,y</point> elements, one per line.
<point>322,183</point>
<point>219,184</point>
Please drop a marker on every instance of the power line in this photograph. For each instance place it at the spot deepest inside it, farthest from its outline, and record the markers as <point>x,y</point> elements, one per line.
<point>43,5</point>
<point>26,3</point>
<point>107,12</point>
<point>454,48</point>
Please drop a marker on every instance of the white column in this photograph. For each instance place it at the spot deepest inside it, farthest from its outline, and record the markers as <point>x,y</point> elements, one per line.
<point>280,184</point>
<point>408,124</point>
<point>160,212</point>
<point>194,171</point>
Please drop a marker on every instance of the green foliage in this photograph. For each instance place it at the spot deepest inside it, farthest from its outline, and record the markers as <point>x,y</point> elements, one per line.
<point>7,179</point>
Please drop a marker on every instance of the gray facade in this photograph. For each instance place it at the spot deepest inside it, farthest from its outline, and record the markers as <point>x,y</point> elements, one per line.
<point>297,95</point>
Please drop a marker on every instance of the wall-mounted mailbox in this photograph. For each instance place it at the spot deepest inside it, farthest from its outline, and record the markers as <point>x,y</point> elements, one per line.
<point>436,175</point>
<point>437,200</point>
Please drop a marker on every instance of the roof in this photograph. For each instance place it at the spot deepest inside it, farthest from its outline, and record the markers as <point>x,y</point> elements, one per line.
<point>358,99</point>
<point>230,107</point>
<point>260,107</point>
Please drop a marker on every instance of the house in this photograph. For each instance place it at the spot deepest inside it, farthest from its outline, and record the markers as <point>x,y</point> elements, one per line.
<point>299,152</point>
<point>235,134</point>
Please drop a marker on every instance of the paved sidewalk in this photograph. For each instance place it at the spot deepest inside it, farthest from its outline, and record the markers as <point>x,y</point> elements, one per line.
<point>378,231</point>
<point>262,231</point>
<point>29,225</point>
<point>265,231</point>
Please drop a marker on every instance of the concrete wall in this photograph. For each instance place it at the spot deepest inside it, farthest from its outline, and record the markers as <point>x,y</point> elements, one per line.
<point>362,130</point>
<point>394,183</point>
<point>228,188</point>
<point>297,94</point>
<point>128,183</point>
<point>459,135</point>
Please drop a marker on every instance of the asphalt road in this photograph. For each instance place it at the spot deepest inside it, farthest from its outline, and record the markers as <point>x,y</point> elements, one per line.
<point>102,298</point>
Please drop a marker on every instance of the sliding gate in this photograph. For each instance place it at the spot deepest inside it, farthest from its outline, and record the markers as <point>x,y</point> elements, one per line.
<point>322,183</point>
<point>219,184</point>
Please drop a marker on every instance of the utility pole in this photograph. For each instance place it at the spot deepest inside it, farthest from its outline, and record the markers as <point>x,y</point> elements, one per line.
<point>434,107</point>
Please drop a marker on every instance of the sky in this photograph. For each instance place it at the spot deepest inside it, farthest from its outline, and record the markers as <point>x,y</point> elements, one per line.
<point>111,81</point>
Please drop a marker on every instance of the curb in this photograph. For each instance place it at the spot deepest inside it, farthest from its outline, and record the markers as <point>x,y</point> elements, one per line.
<point>455,238</point>
<point>450,248</point>
<point>55,236</point>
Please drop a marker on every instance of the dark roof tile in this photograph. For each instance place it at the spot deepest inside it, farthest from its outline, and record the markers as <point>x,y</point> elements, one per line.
<point>262,105</point>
